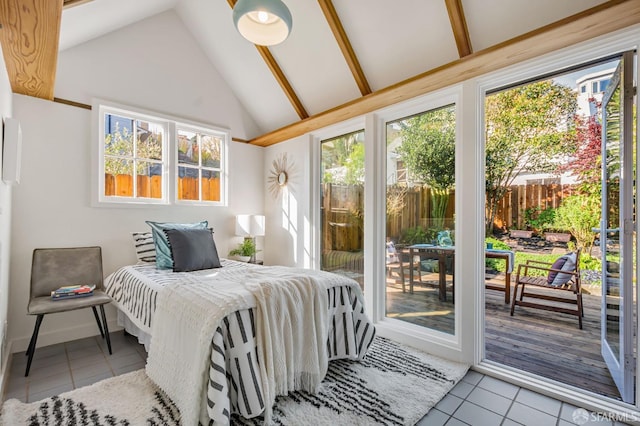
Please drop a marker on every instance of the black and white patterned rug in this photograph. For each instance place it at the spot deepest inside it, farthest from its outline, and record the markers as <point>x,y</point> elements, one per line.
<point>394,385</point>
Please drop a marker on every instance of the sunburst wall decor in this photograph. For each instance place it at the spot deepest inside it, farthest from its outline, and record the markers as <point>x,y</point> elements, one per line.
<point>279,174</point>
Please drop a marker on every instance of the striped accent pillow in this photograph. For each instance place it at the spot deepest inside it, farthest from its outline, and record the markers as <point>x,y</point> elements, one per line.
<point>145,249</point>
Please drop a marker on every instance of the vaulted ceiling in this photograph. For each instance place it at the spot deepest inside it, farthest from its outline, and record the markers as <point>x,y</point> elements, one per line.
<point>343,57</point>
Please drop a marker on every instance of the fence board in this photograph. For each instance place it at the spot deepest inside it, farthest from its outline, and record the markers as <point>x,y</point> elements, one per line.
<point>151,187</point>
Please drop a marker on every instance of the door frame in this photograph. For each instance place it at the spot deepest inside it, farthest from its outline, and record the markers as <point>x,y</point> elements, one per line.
<point>583,53</point>
<point>619,367</point>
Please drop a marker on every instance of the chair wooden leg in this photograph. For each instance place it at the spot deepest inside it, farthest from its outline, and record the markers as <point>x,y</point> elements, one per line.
<point>513,299</point>
<point>580,309</point>
<point>95,314</point>
<point>106,328</point>
<point>32,344</point>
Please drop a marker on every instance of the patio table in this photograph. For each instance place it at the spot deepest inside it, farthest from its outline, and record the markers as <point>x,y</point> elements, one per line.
<point>440,253</point>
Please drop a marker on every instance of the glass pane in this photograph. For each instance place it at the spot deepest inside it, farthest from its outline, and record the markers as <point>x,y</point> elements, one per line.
<point>210,151</point>
<point>420,228</point>
<point>210,185</point>
<point>118,135</point>
<point>118,177</point>
<point>149,140</point>
<point>611,243</point>
<point>149,179</point>
<point>188,151</point>
<point>188,188</point>
<point>342,209</point>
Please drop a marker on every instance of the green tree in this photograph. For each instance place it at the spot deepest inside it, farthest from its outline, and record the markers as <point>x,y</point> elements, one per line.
<point>428,150</point>
<point>528,129</point>
<point>119,151</point>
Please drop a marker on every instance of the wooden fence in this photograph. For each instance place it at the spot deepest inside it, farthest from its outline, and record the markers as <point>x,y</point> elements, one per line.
<point>343,205</point>
<point>511,209</point>
<point>151,187</point>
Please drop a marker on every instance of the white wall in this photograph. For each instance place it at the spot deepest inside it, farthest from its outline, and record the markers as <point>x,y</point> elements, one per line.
<point>5,219</point>
<point>154,65</point>
<point>288,220</point>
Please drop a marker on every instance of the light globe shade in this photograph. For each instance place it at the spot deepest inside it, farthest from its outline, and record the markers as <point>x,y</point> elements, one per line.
<point>262,22</point>
<point>248,225</point>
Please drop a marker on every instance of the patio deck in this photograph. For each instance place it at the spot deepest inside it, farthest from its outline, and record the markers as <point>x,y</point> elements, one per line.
<point>545,343</point>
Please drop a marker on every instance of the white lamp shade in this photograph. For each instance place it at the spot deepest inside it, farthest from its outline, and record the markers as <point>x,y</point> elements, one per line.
<point>250,225</point>
<point>263,22</point>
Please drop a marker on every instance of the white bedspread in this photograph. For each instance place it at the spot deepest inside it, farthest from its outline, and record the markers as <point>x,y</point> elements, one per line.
<point>189,312</point>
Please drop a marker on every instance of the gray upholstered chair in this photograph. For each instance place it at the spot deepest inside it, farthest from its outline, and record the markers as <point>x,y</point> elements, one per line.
<point>52,268</point>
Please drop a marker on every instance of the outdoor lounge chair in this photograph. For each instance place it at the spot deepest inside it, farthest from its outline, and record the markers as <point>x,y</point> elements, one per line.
<point>561,276</point>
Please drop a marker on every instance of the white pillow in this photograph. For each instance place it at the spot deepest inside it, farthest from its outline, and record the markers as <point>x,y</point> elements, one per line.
<point>144,247</point>
<point>570,266</point>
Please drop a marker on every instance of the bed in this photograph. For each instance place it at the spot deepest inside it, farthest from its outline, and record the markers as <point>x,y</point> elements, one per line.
<point>173,306</point>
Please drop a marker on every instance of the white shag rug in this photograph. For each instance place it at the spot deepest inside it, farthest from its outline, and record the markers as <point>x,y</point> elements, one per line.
<point>393,385</point>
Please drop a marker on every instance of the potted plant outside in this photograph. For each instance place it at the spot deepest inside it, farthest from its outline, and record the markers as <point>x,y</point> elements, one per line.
<point>244,251</point>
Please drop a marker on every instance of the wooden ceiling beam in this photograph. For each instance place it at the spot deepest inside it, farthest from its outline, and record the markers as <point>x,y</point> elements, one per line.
<point>345,45</point>
<point>278,74</point>
<point>459,27</point>
<point>607,17</point>
<point>29,37</point>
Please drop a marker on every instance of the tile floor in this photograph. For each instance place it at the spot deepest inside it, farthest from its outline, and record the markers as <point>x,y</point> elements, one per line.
<point>477,400</point>
<point>65,366</point>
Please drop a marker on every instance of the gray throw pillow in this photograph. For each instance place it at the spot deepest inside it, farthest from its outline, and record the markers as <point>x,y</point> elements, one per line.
<point>192,249</point>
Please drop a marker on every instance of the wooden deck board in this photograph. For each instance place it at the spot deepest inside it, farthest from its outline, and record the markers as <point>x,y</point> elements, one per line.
<point>549,344</point>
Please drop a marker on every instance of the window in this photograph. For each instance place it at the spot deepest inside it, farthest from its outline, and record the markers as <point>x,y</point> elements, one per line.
<point>199,166</point>
<point>342,205</point>
<point>134,158</point>
<point>420,221</point>
<point>149,159</point>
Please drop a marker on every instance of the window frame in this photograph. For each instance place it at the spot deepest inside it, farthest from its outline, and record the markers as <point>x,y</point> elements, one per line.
<point>200,130</point>
<point>170,125</point>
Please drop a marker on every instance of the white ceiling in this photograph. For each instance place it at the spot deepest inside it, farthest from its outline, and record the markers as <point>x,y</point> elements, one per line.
<point>393,41</point>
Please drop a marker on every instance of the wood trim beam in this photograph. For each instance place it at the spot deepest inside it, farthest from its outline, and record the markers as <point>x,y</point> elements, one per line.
<point>89,107</point>
<point>459,27</point>
<point>278,74</point>
<point>72,103</point>
<point>602,19</point>
<point>345,45</point>
<point>29,37</point>
<point>72,3</point>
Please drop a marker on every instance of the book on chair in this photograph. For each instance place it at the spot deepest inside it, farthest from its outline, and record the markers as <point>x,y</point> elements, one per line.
<point>72,291</point>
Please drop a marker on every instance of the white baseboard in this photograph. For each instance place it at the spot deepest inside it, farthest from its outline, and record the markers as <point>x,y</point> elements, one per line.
<point>4,374</point>
<point>60,336</point>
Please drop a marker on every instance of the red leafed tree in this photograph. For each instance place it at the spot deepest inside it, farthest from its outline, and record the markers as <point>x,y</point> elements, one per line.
<point>586,163</point>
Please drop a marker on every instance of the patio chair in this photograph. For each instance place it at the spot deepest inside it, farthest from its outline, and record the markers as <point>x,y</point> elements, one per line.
<point>398,260</point>
<point>563,276</point>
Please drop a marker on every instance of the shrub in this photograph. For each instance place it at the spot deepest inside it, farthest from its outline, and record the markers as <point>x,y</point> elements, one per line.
<point>540,220</point>
<point>579,214</point>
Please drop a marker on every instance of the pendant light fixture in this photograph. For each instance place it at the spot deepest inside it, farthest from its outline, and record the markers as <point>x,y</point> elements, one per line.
<point>262,22</point>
